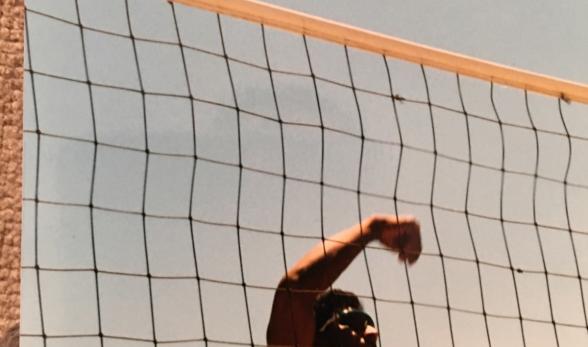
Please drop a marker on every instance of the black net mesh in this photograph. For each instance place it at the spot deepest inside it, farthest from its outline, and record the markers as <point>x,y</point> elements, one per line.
<point>177,162</point>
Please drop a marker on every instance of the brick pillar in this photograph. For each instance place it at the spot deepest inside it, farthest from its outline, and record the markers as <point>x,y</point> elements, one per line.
<point>11,100</point>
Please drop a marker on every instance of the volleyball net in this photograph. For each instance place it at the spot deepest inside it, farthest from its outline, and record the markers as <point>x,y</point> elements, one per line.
<point>179,160</point>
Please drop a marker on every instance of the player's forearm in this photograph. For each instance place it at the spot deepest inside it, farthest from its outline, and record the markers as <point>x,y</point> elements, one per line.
<point>325,262</point>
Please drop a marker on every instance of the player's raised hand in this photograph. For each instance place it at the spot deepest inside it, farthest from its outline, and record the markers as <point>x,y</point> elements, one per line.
<point>402,234</point>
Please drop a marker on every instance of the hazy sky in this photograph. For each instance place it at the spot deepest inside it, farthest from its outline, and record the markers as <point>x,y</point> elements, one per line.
<point>528,202</point>
<point>543,36</point>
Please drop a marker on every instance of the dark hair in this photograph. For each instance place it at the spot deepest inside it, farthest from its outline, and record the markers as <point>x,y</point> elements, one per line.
<point>330,302</point>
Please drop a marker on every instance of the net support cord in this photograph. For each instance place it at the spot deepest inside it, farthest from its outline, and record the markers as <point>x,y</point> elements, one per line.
<point>298,22</point>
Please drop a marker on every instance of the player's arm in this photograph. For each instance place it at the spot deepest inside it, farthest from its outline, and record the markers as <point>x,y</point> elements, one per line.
<point>292,321</point>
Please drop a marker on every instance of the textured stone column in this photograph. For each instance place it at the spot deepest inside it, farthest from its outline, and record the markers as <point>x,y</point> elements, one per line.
<point>11,100</point>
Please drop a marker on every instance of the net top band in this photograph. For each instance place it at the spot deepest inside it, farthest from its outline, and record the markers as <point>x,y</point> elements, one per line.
<point>302,23</point>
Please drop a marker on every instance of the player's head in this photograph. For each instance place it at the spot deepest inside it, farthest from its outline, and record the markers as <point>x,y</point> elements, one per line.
<point>340,321</point>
